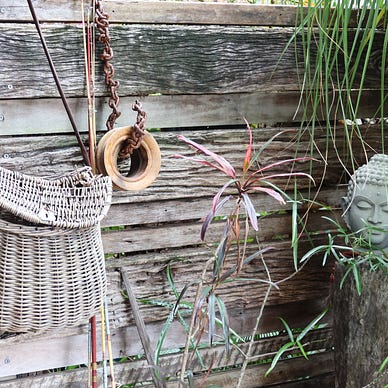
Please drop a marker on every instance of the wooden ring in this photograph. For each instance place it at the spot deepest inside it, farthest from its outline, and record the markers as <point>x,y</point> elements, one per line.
<point>145,161</point>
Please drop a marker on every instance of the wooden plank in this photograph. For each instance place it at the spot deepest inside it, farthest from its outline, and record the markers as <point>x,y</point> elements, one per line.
<point>324,380</point>
<point>196,209</point>
<point>158,12</point>
<point>155,12</point>
<point>288,370</point>
<point>296,371</point>
<point>361,342</point>
<point>148,274</point>
<point>169,60</point>
<point>47,115</point>
<point>61,351</point>
<point>187,233</point>
<point>178,179</point>
<point>209,68</point>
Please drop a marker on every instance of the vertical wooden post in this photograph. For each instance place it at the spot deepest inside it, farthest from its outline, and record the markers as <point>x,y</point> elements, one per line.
<point>360,329</point>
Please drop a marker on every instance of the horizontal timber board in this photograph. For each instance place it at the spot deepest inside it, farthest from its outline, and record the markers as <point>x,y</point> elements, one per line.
<point>158,12</point>
<point>187,233</point>
<point>170,59</point>
<point>48,116</point>
<point>155,12</point>
<point>294,371</point>
<point>59,351</point>
<point>148,276</point>
<point>157,212</point>
<point>180,179</point>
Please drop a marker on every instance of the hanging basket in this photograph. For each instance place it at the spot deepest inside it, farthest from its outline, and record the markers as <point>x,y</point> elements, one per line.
<point>49,277</point>
<point>77,200</point>
<point>52,271</point>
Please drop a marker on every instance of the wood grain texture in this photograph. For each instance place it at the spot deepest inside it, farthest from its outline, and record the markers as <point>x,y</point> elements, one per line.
<point>178,179</point>
<point>294,373</point>
<point>166,59</point>
<point>361,339</point>
<point>76,348</point>
<point>159,12</point>
<point>48,116</point>
<point>148,273</point>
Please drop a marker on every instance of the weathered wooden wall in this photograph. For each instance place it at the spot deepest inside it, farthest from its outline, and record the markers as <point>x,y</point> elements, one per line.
<point>199,69</point>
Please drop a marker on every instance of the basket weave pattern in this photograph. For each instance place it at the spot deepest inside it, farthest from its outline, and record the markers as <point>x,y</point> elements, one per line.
<point>52,269</point>
<point>77,200</point>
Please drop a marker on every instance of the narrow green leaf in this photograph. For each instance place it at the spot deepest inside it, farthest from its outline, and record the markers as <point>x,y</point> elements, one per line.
<point>221,251</point>
<point>294,235</point>
<point>357,278</point>
<point>211,316</point>
<point>383,365</point>
<point>346,274</point>
<point>225,322</point>
<point>182,293</point>
<point>311,325</point>
<point>162,336</point>
<point>171,280</point>
<point>301,348</point>
<point>279,353</point>
<point>289,331</point>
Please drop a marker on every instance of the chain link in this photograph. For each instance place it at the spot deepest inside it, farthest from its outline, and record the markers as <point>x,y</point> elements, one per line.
<point>102,22</point>
<point>138,132</point>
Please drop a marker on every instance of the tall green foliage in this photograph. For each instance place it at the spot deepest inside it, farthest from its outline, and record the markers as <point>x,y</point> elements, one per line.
<point>344,44</point>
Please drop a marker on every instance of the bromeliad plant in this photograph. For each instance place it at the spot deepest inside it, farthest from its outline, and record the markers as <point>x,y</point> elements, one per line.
<point>242,183</point>
<point>239,222</point>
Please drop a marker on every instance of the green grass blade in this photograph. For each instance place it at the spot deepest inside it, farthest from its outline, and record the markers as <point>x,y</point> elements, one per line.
<point>279,353</point>
<point>311,325</point>
<point>288,328</point>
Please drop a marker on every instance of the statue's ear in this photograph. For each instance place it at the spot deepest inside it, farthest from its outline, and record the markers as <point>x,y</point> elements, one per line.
<point>345,210</point>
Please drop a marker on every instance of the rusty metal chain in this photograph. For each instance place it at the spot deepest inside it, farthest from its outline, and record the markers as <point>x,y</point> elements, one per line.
<point>102,23</point>
<point>137,134</point>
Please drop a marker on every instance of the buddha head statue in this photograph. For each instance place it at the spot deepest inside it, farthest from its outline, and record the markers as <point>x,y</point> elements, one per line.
<point>366,204</point>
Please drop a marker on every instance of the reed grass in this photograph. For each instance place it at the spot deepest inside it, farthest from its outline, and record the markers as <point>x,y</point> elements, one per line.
<point>342,44</point>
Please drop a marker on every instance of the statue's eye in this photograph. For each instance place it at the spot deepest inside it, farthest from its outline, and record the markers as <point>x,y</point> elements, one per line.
<point>364,205</point>
<point>384,208</point>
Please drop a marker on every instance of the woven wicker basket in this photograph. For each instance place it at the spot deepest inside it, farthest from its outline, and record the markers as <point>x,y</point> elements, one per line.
<point>76,200</point>
<point>51,276</point>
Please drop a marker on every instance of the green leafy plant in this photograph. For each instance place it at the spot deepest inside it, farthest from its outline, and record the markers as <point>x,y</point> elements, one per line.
<point>295,342</point>
<point>208,310</point>
<point>351,250</point>
<point>341,43</point>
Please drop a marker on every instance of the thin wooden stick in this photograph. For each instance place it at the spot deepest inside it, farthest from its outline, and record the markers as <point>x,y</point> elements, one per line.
<point>144,338</point>
<point>94,350</point>
<point>103,349</point>
<point>110,355</point>
<point>89,355</point>
<point>58,84</point>
<point>87,43</point>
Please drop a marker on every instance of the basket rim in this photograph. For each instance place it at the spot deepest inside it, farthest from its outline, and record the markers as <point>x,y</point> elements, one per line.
<point>73,200</point>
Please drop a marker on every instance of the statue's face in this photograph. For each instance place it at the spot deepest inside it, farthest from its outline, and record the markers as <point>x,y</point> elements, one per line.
<point>368,214</point>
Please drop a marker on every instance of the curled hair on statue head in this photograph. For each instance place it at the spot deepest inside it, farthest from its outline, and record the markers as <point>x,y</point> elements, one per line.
<point>375,172</point>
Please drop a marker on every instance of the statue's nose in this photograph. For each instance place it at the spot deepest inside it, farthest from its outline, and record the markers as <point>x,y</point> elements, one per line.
<point>375,215</point>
